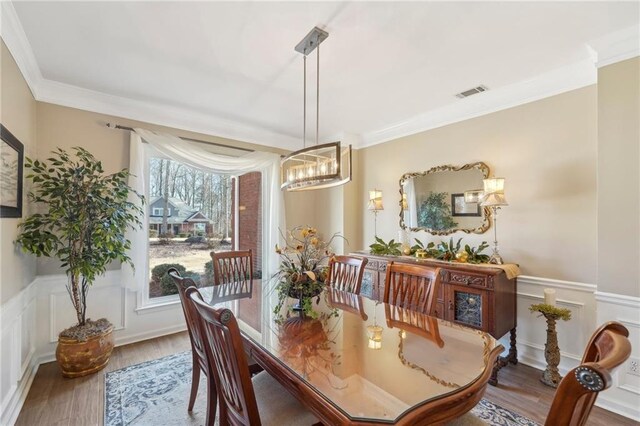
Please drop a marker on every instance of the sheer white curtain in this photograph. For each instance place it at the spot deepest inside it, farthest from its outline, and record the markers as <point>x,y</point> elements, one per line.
<point>411,215</point>
<point>195,156</point>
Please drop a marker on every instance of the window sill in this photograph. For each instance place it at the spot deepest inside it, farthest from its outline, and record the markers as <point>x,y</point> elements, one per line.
<point>151,308</point>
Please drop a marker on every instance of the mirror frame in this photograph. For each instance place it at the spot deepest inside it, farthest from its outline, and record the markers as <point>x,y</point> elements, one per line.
<point>486,224</point>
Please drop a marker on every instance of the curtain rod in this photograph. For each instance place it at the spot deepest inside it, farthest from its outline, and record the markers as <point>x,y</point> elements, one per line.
<point>117,126</point>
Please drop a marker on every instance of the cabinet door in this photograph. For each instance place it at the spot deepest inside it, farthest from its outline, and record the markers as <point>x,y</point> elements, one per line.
<point>467,306</point>
<point>370,284</point>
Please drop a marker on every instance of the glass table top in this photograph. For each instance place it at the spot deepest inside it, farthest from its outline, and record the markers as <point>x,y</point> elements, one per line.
<point>371,360</point>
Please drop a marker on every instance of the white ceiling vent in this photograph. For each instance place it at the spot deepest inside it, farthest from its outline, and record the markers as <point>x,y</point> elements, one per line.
<point>475,90</point>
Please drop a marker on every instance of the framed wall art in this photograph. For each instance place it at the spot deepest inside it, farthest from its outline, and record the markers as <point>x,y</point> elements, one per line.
<point>459,207</point>
<point>11,164</point>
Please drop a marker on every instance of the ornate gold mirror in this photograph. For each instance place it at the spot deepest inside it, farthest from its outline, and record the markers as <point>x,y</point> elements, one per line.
<point>444,200</point>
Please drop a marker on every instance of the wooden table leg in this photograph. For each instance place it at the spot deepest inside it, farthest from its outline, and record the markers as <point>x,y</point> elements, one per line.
<point>512,357</point>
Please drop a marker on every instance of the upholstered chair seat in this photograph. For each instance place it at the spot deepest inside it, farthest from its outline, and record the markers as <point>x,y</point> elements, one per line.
<point>277,406</point>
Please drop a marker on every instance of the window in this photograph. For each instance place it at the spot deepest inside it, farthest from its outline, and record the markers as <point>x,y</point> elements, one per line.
<point>159,211</point>
<point>201,222</point>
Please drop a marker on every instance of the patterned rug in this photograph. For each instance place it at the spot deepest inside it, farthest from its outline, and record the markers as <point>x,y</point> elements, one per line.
<point>156,393</point>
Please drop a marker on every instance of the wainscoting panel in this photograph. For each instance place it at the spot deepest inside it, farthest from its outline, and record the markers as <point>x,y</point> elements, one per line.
<point>624,396</point>
<point>18,363</point>
<point>573,335</point>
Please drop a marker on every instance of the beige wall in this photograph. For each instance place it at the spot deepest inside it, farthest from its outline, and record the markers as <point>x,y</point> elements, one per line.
<point>18,115</point>
<point>619,178</point>
<point>64,127</point>
<point>546,150</point>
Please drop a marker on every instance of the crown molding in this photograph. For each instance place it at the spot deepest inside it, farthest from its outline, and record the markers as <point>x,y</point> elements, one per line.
<point>617,46</point>
<point>558,81</point>
<point>18,44</point>
<point>157,113</point>
<point>612,48</point>
<point>45,90</point>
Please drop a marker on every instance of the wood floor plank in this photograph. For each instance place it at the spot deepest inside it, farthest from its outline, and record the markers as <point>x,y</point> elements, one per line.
<point>54,400</point>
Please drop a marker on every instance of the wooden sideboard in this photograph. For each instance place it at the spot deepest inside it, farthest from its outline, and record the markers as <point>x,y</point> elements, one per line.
<point>474,296</point>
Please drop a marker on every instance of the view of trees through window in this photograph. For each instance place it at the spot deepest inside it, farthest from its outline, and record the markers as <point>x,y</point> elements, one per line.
<point>190,214</point>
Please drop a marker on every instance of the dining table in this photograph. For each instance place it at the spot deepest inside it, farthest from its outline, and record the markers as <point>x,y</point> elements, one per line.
<point>352,360</point>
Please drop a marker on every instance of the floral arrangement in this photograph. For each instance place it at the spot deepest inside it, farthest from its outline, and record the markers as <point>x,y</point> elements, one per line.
<point>452,252</point>
<point>303,268</point>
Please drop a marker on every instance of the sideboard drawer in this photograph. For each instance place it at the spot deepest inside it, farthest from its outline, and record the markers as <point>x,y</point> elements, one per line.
<point>464,278</point>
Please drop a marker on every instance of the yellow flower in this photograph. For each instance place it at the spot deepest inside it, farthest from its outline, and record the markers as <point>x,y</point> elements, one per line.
<point>299,248</point>
<point>305,232</point>
<point>312,231</point>
<point>314,241</point>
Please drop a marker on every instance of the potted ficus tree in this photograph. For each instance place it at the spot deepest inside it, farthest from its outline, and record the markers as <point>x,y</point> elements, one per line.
<point>82,222</point>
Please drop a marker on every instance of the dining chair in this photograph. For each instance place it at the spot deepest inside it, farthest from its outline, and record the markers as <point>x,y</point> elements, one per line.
<point>243,400</point>
<point>347,301</point>
<point>413,322</point>
<point>234,268</point>
<point>346,272</point>
<point>197,346</point>
<point>608,348</point>
<point>413,287</point>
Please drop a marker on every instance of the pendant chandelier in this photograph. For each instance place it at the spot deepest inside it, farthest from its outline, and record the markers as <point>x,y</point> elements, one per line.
<point>321,165</point>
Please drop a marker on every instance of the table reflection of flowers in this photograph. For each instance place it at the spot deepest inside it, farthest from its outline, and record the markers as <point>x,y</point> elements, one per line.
<point>305,345</point>
<point>303,271</point>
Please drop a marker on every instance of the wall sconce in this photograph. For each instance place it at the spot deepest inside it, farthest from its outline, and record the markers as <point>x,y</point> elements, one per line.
<point>494,198</point>
<point>375,205</point>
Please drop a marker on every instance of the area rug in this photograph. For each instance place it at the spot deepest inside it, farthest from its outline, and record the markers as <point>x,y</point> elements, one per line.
<point>156,393</point>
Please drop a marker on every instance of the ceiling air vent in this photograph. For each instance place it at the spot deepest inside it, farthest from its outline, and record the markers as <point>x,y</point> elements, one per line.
<point>473,91</point>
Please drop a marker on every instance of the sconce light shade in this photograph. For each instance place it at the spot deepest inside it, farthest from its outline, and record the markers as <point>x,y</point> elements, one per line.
<point>375,200</point>
<point>473,196</point>
<point>374,332</point>
<point>493,185</point>
<point>495,199</point>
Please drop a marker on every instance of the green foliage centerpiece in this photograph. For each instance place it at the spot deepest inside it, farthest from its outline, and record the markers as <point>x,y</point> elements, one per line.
<point>82,223</point>
<point>303,271</point>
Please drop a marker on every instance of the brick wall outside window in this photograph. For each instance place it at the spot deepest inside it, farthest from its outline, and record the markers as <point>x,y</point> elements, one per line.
<point>249,216</point>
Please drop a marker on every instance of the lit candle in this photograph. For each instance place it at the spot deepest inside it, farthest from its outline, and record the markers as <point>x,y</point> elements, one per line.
<point>549,296</point>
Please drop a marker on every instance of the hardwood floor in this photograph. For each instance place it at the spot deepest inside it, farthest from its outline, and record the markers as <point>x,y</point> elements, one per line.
<point>54,400</point>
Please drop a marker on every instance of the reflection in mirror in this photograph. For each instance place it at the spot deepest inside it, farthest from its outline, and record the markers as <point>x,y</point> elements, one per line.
<point>435,201</point>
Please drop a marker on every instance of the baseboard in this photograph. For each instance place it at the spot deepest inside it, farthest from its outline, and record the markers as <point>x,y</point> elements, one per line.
<point>12,411</point>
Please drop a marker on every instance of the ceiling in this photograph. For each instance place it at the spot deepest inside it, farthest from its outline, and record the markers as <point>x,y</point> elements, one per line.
<point>230,67</point>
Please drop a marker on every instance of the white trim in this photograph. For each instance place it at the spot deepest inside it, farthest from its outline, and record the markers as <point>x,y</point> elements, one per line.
<point>11,412</point>
<point>617,46</point>
<point>549,282</point>
<point>551,83</point>
<point>18,44</point>
<point>162,305</point>
<point>618,299</point>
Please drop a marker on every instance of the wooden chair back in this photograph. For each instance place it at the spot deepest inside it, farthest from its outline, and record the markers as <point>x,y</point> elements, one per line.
<point>608,348</point>
<point>233,268</point>
<point>347,301</point>
<point>413,287</point>
<point>414,322</point>
<point>228,362</point>
<point>191,317</point>
<point>346,272</point>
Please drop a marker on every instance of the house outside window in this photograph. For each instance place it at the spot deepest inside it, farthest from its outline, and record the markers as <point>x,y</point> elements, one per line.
<point>201,217</point>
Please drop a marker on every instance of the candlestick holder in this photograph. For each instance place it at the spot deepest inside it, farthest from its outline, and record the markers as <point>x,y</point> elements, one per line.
<point>551,376</point>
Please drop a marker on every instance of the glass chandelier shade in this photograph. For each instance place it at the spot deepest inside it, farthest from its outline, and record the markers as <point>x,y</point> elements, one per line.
<point>316,167</point>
